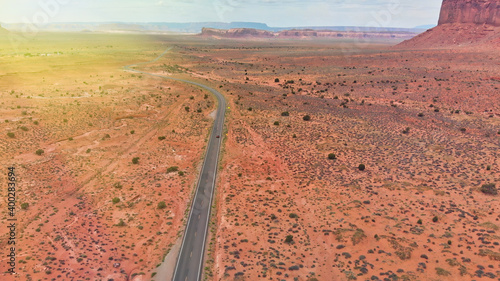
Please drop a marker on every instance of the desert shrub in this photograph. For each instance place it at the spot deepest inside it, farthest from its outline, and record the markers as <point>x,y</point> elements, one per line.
<point>186,108</point>
<point>11,135</point>
<point>161,137</point>
<point>285,113</point>
<point>276,123</point>
<point>358,236</point>
<point>306,118</point>
<point>121,223</point>
<point>488,167</point>
<point>39,152</point>
<point>489,189</point>
<point>442,272</point>
<point>420,115</point>
<point>406,131</point>
<point>135,160</point>
<point>25,206</point>
<point>161,205</point>
<point>118,185</point>
<point>293,215</point>
<point>172,169</point>
<point>419,221</point>
<point>332,156</point>
<point>249,109</point>
<point>132,132</point>
<point>289,239</point>
<point>435,219</point>
<point>277,80</point>
<point>361,167</point>
<point>181,173</point>
<point>24,128</point>
<point>88,150</point>
<point>116,200</point>
<point>463,129</point>
<point>35,122</point>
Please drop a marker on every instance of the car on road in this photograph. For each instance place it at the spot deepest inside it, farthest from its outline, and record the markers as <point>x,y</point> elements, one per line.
<point>217,136</point>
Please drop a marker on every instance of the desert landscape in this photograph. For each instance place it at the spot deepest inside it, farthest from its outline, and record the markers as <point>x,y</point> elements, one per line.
<point>344,157</point>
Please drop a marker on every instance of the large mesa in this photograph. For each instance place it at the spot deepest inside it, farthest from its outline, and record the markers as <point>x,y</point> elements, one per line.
<point>470,11</point>
<point>462,23</point>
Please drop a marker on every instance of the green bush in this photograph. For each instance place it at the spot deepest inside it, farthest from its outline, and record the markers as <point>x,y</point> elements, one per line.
<point>161,137</point>
<point>306,118</point>
<point>293,215</point>
<point>116,200</point>
<point>276,123</point>
<point>489,189</point>
<point>162,205</point>
<point>289,239</point>
<point>332,156</point>
<point>11,135</point>
<point>361,167</point>
<point>442,272</point>
<point>24,128</point>
<point>435,219</point>
<point>277,80</point>
<point>39,152</point>
<point>172,169</point>
<point>135,160</point>
<point>285,113</point>
<point>25,206</point>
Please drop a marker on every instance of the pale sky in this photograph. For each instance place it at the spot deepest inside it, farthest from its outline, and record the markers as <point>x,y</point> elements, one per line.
<point>275,13</point>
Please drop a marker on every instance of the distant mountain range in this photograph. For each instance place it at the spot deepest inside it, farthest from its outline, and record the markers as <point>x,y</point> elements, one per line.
<point>192,27</point>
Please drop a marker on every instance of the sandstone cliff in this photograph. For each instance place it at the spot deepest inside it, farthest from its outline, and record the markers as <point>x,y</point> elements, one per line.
<point>472,23</point>
<point>236,33</point>
<point>300,34</point>
<point>470,11</point>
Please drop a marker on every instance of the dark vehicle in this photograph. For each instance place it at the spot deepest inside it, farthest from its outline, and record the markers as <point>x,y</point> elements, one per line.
<point>217,136</point>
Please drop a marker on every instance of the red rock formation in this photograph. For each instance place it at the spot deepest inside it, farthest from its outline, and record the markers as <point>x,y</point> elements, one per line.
<point>300,34</point>
<point>462,23</point>
<point>470,11</point>
<point>236,33</point>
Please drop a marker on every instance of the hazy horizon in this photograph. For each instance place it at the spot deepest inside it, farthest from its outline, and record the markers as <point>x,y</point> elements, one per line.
<point>274,13</point>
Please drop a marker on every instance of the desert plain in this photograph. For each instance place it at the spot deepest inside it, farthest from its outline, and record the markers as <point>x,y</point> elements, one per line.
<point>343,159</point>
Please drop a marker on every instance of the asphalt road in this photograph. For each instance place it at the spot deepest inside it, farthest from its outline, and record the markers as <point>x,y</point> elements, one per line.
<point>190,261</point>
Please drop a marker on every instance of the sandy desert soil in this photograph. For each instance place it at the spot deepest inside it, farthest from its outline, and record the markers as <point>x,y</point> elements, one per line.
<point>90,213</point>
<point>424,123</point>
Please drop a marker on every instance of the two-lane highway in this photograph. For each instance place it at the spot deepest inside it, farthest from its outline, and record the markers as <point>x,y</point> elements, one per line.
<point>190,261</point>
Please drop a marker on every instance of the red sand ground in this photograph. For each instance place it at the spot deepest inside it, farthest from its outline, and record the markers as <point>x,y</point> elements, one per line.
<point>345,224</point>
